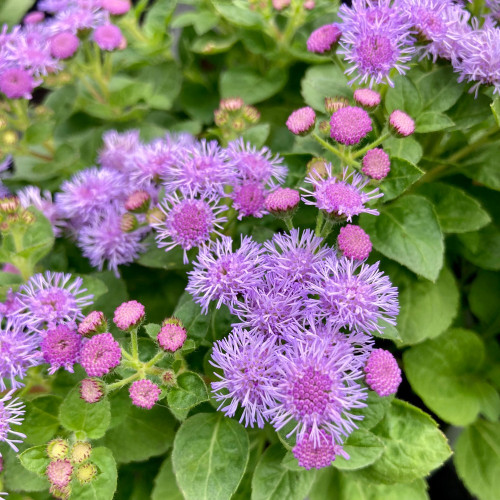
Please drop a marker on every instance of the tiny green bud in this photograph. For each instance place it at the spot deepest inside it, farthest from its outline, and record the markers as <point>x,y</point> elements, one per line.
<point>57,449</point>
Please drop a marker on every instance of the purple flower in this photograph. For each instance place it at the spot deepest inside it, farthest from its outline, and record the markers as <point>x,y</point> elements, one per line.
<point>189,221</point>
<point>275,309</point>
<point>91,191</point>
<point>383,374</point>
<point>32,196</point>
<point>376,164</point>
<point>18,352</point>
<point>59,473</point>
<point>200,167</point>
<point>354,295</point>
<point>10,305</point>
<point>11,413</point>
<point>108,37</point>
<point>258,165</point>
<point>354,242</point>
<point>249,199</point>
<point>375,40</point>
<point>103,241</point>
<point>144,393</point>
<point>317,387</point>
<point>61,348</point>
<point>100,355</point>
<point>222,274</point>
<point>248,365</point>
<point>323,39</point>
<point>349,125</point>
<point>53,6</point>
<point>64,45</point>
<point>116,7</point>
<point>292,256</point>
<point>74,18</point>
<point>479,58</point>
<point>119,149</point>
<point>17,83</point>
<point>311,456</point>
<point>343,197</point>
<point>151,162</point>
<point>49,299</point>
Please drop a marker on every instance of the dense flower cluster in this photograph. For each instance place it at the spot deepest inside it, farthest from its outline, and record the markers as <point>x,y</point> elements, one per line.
<point>296,356</point>
<point>379,39</point>
<point>31,52</point>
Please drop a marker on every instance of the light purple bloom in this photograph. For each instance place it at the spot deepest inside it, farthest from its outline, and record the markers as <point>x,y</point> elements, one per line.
<point>189,221</point>
<point>322,455</point>
<point>18,353</point>
<point>103,241</point>
<point>108,36</point>
<point>318,387</point>
<point>354,295</point>
<point>32,196</point>
<point>53,6</point>
<point>292,256</point>
<point>256,164</point>
<point>91,191</point>
<point>118,149</point>
<point>100,355</point>
<point>64,45</point>
<point>222,274</point>
<point>49,299</point>
<point>61,348</point>
<point>375,40</point>
<point>249,199</point>
<point>75,19</point>
<point>11,413</point>
<point>248,364</point>
<point>9,307</point>
<point>340,197</point>
<point>17,83</point>
<point>200,167</point>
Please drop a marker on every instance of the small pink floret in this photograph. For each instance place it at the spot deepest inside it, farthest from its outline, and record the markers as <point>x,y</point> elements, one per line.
<point>172,336</point>
<point>108,37</point>
<point>354,242</point>
<point>323,39</point>
<point>383,374</point>
<point>301,121</point>
<point>402,123</point>
<point>376,164</point>
<point>100,355</point>
<point>367,98</point>
<point>350,125</point>
<point>144,393</point>
<point>128,314</point>
<point>116,7</point>
<point>282,200</point>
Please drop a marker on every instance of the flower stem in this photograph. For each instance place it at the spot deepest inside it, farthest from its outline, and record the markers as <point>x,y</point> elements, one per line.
<point>319,222</point>
<point>121,383</point>
<point>375,143</point>
<point>134,344</point>
<point>158,357</point>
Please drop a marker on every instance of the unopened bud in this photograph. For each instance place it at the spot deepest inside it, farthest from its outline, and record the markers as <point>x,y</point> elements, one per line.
<point>333,104</point>
<point>80,452</point>
<point>231,104</point>
<point>86,473</point>
<point>168,378</point>
<point>94,322</point>
<point>172,334</point>
<point>128,223</point>
<point>317,168</point>
<point>221,117</point>
<point>324,128</point>
<point>251,114</point>
<point>57,449</point>
<point>92,390</point>
<point>9,138</point>
<point>155,215</point>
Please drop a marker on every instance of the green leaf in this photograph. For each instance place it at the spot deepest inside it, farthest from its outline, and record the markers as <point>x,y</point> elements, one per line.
<point>157,257</point>
<point>273,481</point>
<point>325,80</point>
<point>438,88</point>
<point>158,16</point>
<point>477,459</point>
<point>414,445</point>
<point>17,478</point>
<point>482,166</point>
<point>375,410</point>
<point>8,281</point>
<point>444,372</point>
<point>77,415</point>
<point>404,96</point>
<point>210,456</point>
<point>427,309</point>
<point>213,44</point>
<point>141,434</point>
<point>401,176</point>
<point>190,391</point>
<point>456,210</point>
<point>407,148</point>
<point>470,110</point>
<point>12,11</point>
<point>165,484</point>
<point>407,231</point>
<point>482,247</point>
<point>389,331</point>
<point>41,422</point>
<point>195,322</point>
<point>363,448</point>
<point>484,296</point>
<point>237,12</point>
<point>35,459</point>
<point>103,487</point>
<point>152,329</point>
<point>251,86</point>
<point>94,286</point>
<point>495,109</point>
<point>162,84</point>
<point>432,121</point>
<point>257,135</point>
<point>202,20</point>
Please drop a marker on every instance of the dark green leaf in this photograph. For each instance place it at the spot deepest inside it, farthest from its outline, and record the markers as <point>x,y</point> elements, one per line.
<point>195,322</point>
<point>17,478</point>
<point>432,121</point>
<point>495,109</point>
<point>407,231</point>
<point>77,415</point>
<point>404,96</point>
<point>257,135</point>
<point>165,483</point>
<point>444,372</point>
<point>477,459</point>
<point>190,391</point>
<point>401,176</point>
<point>484,296</point>
<point>210,456</point>
<point>482,247</point>
<point>456,210</point>
<point>238,12</point>
<point>482,167</point>
<point>152,329</point>
<point>157,257</point>
<point>42,421</point>
<point>374,411</point>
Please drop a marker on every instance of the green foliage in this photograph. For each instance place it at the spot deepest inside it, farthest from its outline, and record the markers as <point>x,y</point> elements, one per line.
<point>189,392</point>
<point>42,419</point>
<point>165,484</point>
<point>210,456</point>
<point>195,322</point>
<point>477,459</point>
<point>35,459</point>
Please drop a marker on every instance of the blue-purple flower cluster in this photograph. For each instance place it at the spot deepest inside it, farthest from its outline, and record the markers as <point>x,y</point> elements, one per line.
<point>36,49</point>
<point>378,39</point>
<point>296,356</point>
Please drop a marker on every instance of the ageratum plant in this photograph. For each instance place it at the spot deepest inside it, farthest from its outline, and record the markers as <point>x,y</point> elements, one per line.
<point>249,249</point>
